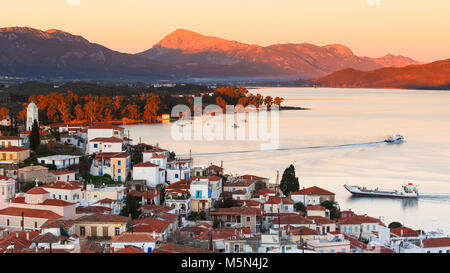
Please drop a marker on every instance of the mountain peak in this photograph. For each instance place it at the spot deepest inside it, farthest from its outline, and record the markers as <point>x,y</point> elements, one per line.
<point>190,41</point>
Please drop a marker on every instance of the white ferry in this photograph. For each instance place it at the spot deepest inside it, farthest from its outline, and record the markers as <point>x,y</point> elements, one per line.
<point>407,191</point>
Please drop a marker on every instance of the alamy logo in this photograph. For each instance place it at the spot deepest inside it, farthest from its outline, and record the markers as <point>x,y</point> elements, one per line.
<point>237,123</point>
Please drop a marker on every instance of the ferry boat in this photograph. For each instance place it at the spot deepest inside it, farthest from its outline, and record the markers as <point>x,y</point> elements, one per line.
<point>395,139</point>
<point>407,191</point>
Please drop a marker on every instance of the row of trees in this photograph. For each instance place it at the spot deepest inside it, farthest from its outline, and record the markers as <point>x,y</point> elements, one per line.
<point>65,107</point>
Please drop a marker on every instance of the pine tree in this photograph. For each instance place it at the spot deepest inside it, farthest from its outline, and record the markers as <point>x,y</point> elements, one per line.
<point>35,138</point>
<point>289,182</point>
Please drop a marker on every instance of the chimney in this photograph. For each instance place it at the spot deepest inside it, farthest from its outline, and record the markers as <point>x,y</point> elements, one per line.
<point>17,234</point>
<point>28,236</point>
<point>154,234</point>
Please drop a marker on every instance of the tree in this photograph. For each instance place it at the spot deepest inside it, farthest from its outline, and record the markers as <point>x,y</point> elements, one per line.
<point>35,138</point>
<point>289,182</point>
<point>300,207</point>
<point>227,202</point>
<point>260,185</point>
<point>395,225</point>
<point>162,193</point>
<point>132,207</point>
<point>333,207</point>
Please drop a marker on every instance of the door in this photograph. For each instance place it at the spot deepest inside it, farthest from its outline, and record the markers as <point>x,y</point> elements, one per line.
<point>105,231</point>
<point>94,231</point>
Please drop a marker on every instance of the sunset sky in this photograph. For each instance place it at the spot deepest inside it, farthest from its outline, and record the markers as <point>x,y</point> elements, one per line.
<point>414,28</point>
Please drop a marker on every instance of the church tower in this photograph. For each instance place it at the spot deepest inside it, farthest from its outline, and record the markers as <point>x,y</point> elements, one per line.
<point>32,115</point>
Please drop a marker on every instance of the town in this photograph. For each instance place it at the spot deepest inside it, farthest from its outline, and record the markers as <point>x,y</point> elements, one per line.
<point>85,188</point>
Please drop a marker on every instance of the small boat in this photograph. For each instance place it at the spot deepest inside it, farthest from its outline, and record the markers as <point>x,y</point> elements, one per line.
<point>397,139</point>
<point>407,191</point>
<point>235,126</point>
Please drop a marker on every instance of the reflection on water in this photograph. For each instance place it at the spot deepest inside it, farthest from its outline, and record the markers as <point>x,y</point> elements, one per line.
<point>405,203</point>
<point>337,142</point>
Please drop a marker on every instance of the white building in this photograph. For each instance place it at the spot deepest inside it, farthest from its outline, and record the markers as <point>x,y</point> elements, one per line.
<point>143,241</point>
<point>65,191</point>
<point>7,188</point>
<point>103,130</point>
<point>149,172</point>
<point>60,161</point>
<point>32,115</point>
<point>105,145</point>
<point>65,176</point>
<point>114,193</point>
<point>9,141</point>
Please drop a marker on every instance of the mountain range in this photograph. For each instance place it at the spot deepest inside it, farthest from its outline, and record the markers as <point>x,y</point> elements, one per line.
<point>181,55</point>
<point>435,75</point>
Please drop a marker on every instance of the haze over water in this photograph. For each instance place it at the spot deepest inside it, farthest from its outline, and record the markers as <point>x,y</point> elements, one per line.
<point>359,117</point>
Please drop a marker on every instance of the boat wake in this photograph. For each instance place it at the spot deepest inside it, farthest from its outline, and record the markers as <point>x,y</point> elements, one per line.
<point>323,147</point>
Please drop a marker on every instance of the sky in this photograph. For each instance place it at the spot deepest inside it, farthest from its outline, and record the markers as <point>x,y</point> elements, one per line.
<point>415,28</point>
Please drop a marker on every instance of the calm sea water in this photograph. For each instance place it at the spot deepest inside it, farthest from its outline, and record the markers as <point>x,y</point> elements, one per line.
<point>361,118</point>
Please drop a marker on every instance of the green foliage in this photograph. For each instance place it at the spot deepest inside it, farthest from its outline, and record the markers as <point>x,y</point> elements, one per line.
<point>162,193</point>
<point>333,207</point>
<point>217,223</point>
<point>227,202</point>
<point>195,216</point>
<point>136,157</point>
<point>99,181</point>
<point>35,138</point>
<point>29,185</point>
<point>289,182</point>
<point>300,207</point>
<point>260,185</point>
<point>172,155</point>
<point>395,225</point>
<point>132,207</point>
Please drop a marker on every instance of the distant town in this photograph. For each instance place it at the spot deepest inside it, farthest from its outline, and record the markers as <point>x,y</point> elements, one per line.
<point>84,187</point>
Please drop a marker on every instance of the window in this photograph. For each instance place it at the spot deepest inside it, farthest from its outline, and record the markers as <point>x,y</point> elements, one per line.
<point>374,227</point>
<point>35,225</point>
<point>119,162</point>
<point>59,197</point>
<point>82,232</point>
<point>248,219</point>
<point>119,170</point>
<point>176,175</point>
<point>95,145</point>
<point>343,250</point>
<point>117,231</point>
<point>7,222</point>
<point>66,197</point>
<point>344,229</point>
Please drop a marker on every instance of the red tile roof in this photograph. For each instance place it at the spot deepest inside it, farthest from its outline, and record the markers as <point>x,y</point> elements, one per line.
<point>155,150</point>
<point>10,138</point>
<point>148,225</point>
<point>237,211</point>
<point>312,191</point>
<point>435,242</point>
<point>100,156</point>
<point>301,231</point>
<point>316,207</point>
<point>290,220</point>
<point>358,220</point>
<point>6,178</point>
<point>36,190</point>
<point>176,248</point>
<point>320,220</point>
<point>146,164</point>
<point>239,183</point>
<point>107,140</point>
<point>60,185</point>
<point>404,232</point>
<point>13,149</point>
<point>32,213</point>
<point>252,177</point>
<point>129,249</point>
<point>134,238</point>
<point>104,218</point>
